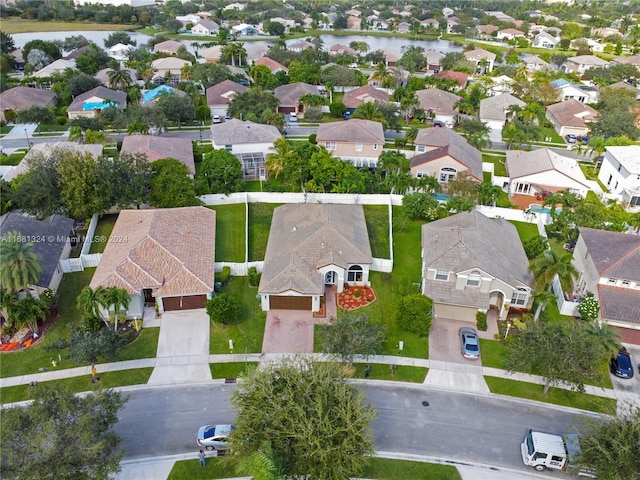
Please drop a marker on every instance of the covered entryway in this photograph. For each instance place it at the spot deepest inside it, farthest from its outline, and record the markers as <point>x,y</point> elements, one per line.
<point>290,302</point>
<point>186,302</point>
<point>330,278</point>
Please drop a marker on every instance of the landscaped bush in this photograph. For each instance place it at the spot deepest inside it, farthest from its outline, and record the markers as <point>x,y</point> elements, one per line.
<point>223,276</point>
<point>60,120</point>
<point>414,314</point>
<point>481,321</point>
<point>535,246</point>
<point>254,276</point>
<point>313,114</point>
<point>313,138</point>
<point>223,308</point>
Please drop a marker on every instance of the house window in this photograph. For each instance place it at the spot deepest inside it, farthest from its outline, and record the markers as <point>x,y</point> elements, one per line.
<point>612,281</point>
<point>421,148</point>
<point>626,283</point>
<point>358,147</point>
<point>330,145</point>
<point>635,201</point>
<point>447,174</point>
<point>519,298</point>
<point>474,281</point>
<point>422,173</point>
<point>354,274</point>
<point>609,181</point>
<point>228,148</point>
<point>442,275</point>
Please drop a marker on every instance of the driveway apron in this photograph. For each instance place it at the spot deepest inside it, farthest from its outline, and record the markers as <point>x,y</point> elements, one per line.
<point>183,348</point>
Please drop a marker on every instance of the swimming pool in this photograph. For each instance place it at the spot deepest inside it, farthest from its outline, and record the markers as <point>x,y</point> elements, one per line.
<point>537,208</point>
<point>441,197</point>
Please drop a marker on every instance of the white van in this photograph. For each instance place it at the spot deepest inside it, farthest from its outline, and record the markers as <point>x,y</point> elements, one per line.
<point>544,451</point>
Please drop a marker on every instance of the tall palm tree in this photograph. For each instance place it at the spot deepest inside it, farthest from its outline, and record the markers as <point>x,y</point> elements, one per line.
<point>369,111</point>
<point>426,184</point>
<point>19,265</point>
<point>27,312</point>
<point>276,161</point>
<point>96,136</point>
<point>89,302</point>
<point>76,135</point>
<point>119,78</point>
<point>411,134</point>
<point>608,336</point>
<point>185,73</point>
<point>261,465</point>
<point>119,299</point>
<point>547,266</point>
<point>383,74</point>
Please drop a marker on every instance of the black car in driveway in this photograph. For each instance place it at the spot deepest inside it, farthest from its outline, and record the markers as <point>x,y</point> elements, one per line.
<point>621,365</point>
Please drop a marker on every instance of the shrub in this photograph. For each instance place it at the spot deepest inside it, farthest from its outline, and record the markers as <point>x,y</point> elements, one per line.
<point>414,314</point>
<point>337,109</point>
<point>313,138</point>
<point>223,276</point>
<point>223,308</point>
<point>60,120</point>
<point>535,246</point>
<point>254,276</point>
<point>312,114</point>
<point>481,321</point>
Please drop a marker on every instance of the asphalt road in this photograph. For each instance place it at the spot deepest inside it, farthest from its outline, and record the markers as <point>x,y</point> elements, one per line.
<point>466,428</point>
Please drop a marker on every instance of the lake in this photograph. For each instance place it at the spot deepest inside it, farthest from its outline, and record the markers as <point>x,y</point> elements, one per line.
<point>393,44</point>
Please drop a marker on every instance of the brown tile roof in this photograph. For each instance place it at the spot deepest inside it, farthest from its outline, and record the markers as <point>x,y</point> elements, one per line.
<point>367,93</point>
<point>572,113</point>
<point>479,54</point>
<point>223,92</point>
<point>238,132</point>
<point>459,77</point>
<point>306,237</point>
<point>18,98</point>
<point>155,148</point>
<point>271,64</point>
<point>171,251</point>
<point>168,46</point>
<point>449,143</point>
<point>614,254</point>
<point>520,163</point>
<point>352,131</point>
<point>289,95</point>
<point>437,101</point>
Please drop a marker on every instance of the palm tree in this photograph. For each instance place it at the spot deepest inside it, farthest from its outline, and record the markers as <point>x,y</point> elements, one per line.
<point>479,140</point>
<point>311,100</point>
<point>97,136</point>
<point>119,298</point>
<point>542,297</point>
<point>76,135</point>
<point>119,78</point>
<point>276,161</point>
<point>607,336</point>
<point>426,184</point>
<point>27,312</point>
<point>261,465</point>
<point>383,74</point>
<point>89,302</point>
<point>369,111</point>
<point>547,266</point>
<point>411,134</point>
<point>185,73</point>
<point>19,265</point>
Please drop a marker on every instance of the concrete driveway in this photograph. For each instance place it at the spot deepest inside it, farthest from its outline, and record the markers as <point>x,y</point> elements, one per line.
<point>183,348</point>
<point>628,390</point>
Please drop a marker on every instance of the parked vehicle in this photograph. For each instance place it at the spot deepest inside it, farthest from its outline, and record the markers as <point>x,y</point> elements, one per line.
<point>214,437</point>
<point>469,342</point>
<point>438,123</point>
<point>621,365</point>
<point>347,115</point>
<point>544,451</point>
<point>571,138</point>
<point>293,117</point>
<point>582,139</point>
<point>216,119</point>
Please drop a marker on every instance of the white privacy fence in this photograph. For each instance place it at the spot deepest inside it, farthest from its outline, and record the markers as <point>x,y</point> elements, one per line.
<point>86,259</point>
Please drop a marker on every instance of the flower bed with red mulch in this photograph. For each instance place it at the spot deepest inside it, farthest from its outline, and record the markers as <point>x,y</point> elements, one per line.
<point>353,298</point>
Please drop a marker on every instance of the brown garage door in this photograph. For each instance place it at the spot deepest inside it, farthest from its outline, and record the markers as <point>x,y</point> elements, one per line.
<point>286,302</point>
<point>187,302</point>
<point>455,312</point>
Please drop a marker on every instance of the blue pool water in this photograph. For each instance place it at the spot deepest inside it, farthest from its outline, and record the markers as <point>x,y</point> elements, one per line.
<point>442,197</point>
<point>534,208</point>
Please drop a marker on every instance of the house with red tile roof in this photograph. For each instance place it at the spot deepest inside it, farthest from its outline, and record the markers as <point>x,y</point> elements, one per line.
<point>271,64</point>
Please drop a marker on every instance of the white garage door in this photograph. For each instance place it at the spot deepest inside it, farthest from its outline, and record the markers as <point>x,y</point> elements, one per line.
<point>454,312</point>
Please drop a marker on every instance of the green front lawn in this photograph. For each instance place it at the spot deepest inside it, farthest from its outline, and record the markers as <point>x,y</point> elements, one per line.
<point>55,128</point>
<point>6,129</point>
<point>402,373</point>
<point>230,232</point>
<point>260,215</point>
<point>102,233</point>
<point>246,335</point>
<point>83,383</point>
<point>230,370</point>
<point>494,354</point>
<point>557,396</point>
<point>145,346</point>
<point>13,159</point>
<point>377,218</point>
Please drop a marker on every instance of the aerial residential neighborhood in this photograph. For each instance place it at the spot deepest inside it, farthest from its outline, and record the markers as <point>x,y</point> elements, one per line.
<point>236,228</point>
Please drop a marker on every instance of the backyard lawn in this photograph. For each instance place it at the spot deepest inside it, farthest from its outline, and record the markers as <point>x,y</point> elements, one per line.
<point>526,231</point>
<point>260,215</point>
<point>101,235</point>
<point>248,333</point>
<point>407,246</point>
<point>498,164</point>
<point>230,232</point>
<point>377,218</point>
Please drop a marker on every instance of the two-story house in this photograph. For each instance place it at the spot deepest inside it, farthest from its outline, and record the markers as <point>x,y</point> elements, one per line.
<point>359,141</point>
<point>465,269</point>
<point>582,63</point>
<point>620,173</point>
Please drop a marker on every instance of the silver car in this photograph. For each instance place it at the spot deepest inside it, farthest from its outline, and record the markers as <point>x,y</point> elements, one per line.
<point>470,343</point>
<point>214,437</point>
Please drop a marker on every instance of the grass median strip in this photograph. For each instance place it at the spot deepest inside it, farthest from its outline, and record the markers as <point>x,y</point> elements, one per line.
<point>378,468</point>
<point>231,369</point>
<point>383,371</point>
<point>83,383</point>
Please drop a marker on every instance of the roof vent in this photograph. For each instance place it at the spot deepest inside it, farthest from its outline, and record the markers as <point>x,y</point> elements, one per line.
<point>293,229</point>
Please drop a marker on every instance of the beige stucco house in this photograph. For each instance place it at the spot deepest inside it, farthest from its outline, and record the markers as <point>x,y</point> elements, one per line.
<point>359,141</point>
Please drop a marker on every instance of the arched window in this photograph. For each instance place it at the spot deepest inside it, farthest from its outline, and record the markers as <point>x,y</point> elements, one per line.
<point>447,174</point>
<point>354,274</point>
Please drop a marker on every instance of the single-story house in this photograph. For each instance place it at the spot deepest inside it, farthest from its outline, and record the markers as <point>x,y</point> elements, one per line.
<point>460,78</point>
<point>212,54</point>
<point>255,52</point>
<point>403,27</point>
<point>298,45</point>
<point>582,93</point>
<point>430,24</point>
<point>442,154</point>
<point>205,27</point>
<point>486,31</point>
<point>151,96</point>
<point>440,105</point>
<point>103,75</point>
<point>289,96</point>
<point>400,78</point>
<point>54,237</point>
<point>50,149</point>
<point>482,59</point>
<point>541,172</point>
<point>120,51</point>
<point>250,142</point>
<point>271,64</point>
<point>155,147</point>
<point>582,63</point>
<point>168,259</point>
<point>493,112</point>
<point>571,116</point>
<point>339,49</point>
<point>390,58</point>
<point>608,266</point>
<point>59,66</point>
<point>244,30</point>
<point>509,34</point>
<point>465,269</point>
<point>311,246</point>
<point>168,46</point>
<point>220,95</point>
<point>533,63</point>
<point>90,103</point>
<point>434,60</point>
<point>19,98</point>
<point>365,94</point>
<point>353,23</point>
<point>500,84</point>
<point>630,60</point>
<point>620,173</point>
<point>359,141</point>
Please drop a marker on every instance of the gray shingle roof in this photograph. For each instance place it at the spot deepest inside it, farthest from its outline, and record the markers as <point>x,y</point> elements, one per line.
<point>305,237</point>
<point>520,163</point>
<point>614,254</point>
<point>18,98</point>
<point>234,132</point>
<point>471,240</point>
<point>223,92</point>
<point>289,95</point>
<point>117,96</point>
<point>353,130</point>
<point>495,108</point>
<point>53,231</point>
<point>619,304</point>
<point>437,101</point>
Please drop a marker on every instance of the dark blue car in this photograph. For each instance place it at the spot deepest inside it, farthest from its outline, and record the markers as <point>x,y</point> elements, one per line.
<point>621,364</point>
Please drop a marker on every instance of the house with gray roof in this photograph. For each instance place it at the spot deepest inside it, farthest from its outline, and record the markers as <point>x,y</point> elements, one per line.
<point>608,265</point>
<point>356,140</point>
<point>311,247</point>
<point>19,98</point>
<point>620,173</point>
<point>542,171</point>
<point>533,63</point>
<point>154,147</point>
<point>89,104</point>
<point>205,27</point>
<point>103,75</point>
<point>220,95</point>
<point>472,263</point>
<point>51,239</point>
<point>494,110</point>
<point>442,154</point>
<point>439,104</point>
<point>289,96</point>
<point>482,59</point>
<point>582,63</point>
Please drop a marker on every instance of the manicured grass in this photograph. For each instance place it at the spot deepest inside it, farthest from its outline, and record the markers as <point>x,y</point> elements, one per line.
<point>33,358</point>
<point>103,230</point>
<point>556,396</point>
<point>253,186</point>
<point>13,159</point>
<point>16,25</point>
<point>51,128</point>
<point>402,373</point>
<point>260,215</point>
<point>377,468</point>
<point>230,370</point>
<point>407,246</point>
<point>248,333</point>
<point>377,218</point>
<point>590,173</point>
<point>230,232</point>
<point>386,469</point>
<point>145,346</point>
<point>81,384</point>
<point>498,164</point>
<point>526,231</point>
<point>494,354</point>
<point>6,129</point>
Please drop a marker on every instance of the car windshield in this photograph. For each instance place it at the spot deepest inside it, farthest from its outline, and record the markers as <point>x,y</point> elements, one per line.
<point>472,347</point>
<point>624,362</point>
<point>209,432</point>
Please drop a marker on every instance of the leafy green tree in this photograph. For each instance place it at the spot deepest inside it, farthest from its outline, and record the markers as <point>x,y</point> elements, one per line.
<point>118,37</point>
<point>348,335</point>
<point>51,49</point>
<point>329,439</point>
<point>222,172</point>
<point>93,60</point>
<point>42,440</point>
<point>37,190</point>
<point>412,58</point>
<point>261,75</point>
<point>420,206</point>
<point>252,101</point>
<point>36,114</point>
<point>337,109</point>
<point>615,115</point>
<point>170,184</point>
<point>86,347</point>
<point>414,314</point>
<point>27,312</point>
<point>209,74</point>
<point>304,72</point>
<point>223,308</point>
<point>535,246</point>
<point>74,42</point>
<point>129,178</point>
<point>177,108</point>
<point>7,44</point>
<point>275,29</point>
<point>19,265</point>
<point>80,185</point>
<point>81,83</point>
<point>543,349</point>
